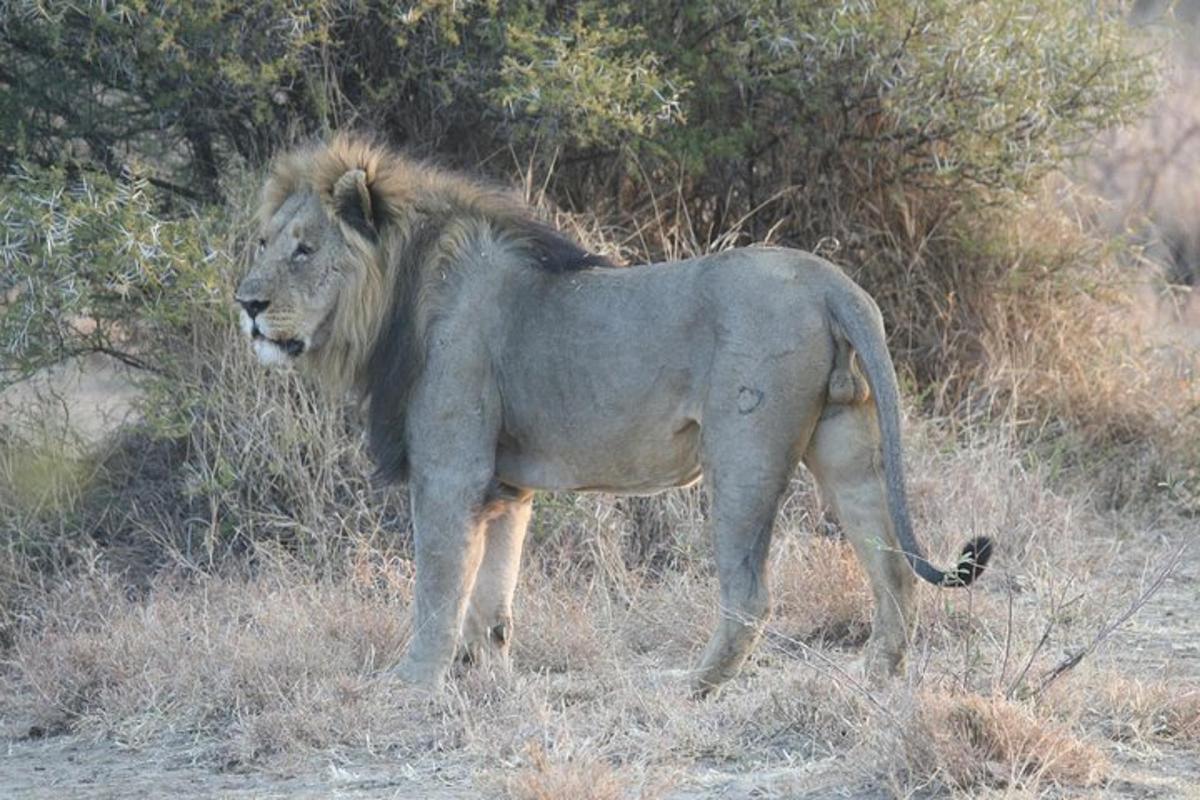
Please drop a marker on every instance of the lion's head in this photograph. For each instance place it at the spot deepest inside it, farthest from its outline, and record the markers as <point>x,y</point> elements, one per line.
<point>315,291</point>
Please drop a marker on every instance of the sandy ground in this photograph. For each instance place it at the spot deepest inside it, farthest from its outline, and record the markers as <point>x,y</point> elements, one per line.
<point>73,766</point>
<point>87,396</point>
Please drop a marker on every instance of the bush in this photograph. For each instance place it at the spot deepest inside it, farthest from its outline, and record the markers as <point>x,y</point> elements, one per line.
<point>879,131</point>
<point>744,98</point>
<point>91,264</point>
<point>187,86</point>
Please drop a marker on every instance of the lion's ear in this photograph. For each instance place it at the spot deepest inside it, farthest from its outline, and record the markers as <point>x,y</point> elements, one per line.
<point>352,203</point>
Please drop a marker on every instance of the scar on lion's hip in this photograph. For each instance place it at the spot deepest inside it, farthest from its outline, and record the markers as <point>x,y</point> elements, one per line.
<point>749,399</point>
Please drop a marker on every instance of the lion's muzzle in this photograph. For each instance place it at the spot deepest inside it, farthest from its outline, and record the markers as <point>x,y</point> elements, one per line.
<point>268,348</point>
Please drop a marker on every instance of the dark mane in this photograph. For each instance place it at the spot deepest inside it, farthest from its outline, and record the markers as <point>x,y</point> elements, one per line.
<point>395,365</point>
<point>555,252</point>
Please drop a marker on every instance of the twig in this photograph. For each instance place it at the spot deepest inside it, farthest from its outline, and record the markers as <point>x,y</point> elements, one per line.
<point>1012,688</point>
<point>1073,660</point>
<point>127,359</point>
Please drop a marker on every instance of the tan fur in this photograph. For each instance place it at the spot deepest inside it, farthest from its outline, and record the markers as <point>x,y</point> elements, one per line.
<point>496,360</point>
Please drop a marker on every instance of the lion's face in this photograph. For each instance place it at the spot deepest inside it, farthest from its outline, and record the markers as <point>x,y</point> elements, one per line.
<point>296,275</point>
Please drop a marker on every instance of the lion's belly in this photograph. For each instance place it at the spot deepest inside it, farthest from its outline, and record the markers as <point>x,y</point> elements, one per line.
<point>630,461</point>
<point>605,376</point>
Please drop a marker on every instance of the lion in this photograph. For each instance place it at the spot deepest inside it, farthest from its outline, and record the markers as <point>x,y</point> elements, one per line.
<point>495,358</point>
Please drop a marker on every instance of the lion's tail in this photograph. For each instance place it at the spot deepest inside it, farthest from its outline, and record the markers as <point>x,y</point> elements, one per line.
<point>859,318</point>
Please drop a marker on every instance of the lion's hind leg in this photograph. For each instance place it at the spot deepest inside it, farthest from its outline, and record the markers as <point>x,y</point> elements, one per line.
<point>844,455</point>
<point>488,626</point>
<point>749,454</point>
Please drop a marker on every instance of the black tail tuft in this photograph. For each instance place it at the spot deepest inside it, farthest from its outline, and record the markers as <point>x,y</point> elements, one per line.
<point>975,556</point>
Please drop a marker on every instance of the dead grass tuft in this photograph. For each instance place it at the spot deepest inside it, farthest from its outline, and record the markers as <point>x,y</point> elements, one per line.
<point>822,596</point>
<point>266,666</point>
<point>544,778</point>
<point>969,742</point>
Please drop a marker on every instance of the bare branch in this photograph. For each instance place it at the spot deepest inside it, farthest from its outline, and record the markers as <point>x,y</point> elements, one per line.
<point>1073,660</point>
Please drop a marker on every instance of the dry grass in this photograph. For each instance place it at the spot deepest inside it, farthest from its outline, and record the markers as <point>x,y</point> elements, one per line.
<point>1137,711</point>
<point>1150,711</point>
<point>970,742</point>
<point>582,776</point>
<point>272,665</point>
<point>229,579</point>
<point>1097,350</point>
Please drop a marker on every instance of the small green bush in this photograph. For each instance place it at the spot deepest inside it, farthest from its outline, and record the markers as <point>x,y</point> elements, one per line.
<point>742,98</point>
<point>91,264</point>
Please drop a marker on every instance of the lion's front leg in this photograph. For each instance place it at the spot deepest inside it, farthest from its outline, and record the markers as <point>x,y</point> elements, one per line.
<point>453,423</point>
<point>448,544</point>
<point>488,626</point>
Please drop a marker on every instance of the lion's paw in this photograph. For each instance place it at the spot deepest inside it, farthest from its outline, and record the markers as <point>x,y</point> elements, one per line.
<point>419,675</point>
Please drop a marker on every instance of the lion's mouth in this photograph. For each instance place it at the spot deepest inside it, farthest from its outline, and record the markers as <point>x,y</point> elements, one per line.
<point>291,347</point>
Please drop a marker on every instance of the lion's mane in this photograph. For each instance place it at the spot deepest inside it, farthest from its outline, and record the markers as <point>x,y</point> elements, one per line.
<point>403,242</point>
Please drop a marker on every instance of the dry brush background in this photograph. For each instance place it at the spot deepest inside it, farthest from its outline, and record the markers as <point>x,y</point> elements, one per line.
<point>202,600</point>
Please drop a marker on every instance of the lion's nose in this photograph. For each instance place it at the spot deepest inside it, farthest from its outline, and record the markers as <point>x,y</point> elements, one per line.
<point>253,307</point>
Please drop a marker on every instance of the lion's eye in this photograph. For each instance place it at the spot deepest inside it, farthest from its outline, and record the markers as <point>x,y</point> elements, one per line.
<point>302,251</point>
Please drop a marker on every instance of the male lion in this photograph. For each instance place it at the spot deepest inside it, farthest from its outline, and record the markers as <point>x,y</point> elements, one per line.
<point>496,358</point>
